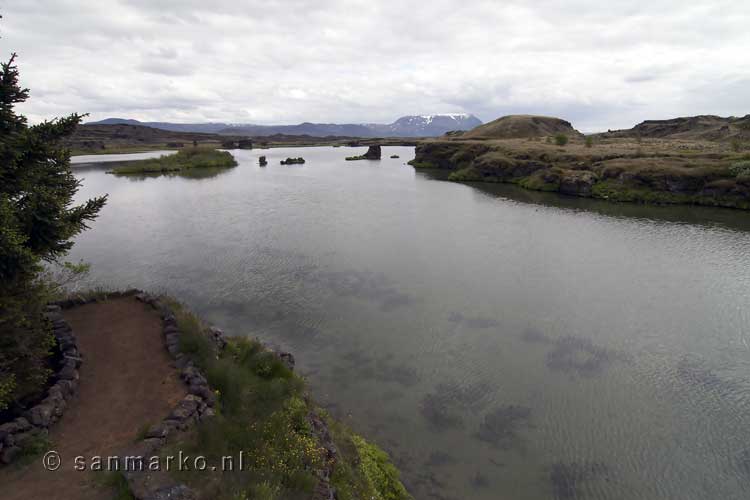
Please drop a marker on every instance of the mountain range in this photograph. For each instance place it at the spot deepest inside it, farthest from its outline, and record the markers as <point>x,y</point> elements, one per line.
<point>406,126</point>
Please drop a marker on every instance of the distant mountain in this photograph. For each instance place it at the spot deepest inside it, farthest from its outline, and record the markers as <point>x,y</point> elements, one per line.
<point>427,125</point>
<point>406,126</point>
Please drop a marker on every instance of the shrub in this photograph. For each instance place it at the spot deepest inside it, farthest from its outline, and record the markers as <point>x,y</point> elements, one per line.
<point>561,139</point>
<point>589,142</point>
<point>736,145</point>
<point>740,169</point>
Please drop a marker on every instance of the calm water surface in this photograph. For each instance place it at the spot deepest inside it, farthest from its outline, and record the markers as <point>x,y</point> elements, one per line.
<point>501,344</point>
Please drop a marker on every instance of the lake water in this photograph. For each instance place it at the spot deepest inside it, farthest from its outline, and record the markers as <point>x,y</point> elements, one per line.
<point>500,344</point>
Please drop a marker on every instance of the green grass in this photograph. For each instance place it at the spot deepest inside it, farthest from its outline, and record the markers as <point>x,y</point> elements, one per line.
<point>116,482</point>
<point>183,160</point>
<point>263,412</point>
<point>421,164</point>
<point>33,448</point>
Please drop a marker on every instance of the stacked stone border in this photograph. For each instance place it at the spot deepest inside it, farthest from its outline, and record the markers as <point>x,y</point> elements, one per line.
<point>36,421</point>
<point>197,405</point>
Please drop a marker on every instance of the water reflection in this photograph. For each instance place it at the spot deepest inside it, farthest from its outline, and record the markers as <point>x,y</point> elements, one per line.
<point>501,343</point>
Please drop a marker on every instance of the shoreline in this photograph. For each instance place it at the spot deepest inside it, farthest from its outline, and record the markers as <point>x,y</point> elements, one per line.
<point>618,171</point>
<point>219,373</point>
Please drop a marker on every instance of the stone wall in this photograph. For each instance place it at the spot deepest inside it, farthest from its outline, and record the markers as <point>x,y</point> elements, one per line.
<point>36,421</point>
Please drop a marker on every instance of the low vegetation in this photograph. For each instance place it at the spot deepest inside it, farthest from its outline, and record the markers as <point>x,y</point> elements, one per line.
<point>656,171</point>
<point>265,414</point>
<point>183,160</point>
<point>740,169</point>
<point>561,139</point>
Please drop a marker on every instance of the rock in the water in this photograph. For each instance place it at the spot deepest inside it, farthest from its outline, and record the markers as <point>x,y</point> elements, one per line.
<point>262,161</point>
<point>395,156</point>
<point>373,153</point>
<point>293,161</point>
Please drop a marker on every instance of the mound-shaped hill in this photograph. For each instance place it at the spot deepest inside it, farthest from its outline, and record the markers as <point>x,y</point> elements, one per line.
<point>703,127</point>
<point>521,127</point>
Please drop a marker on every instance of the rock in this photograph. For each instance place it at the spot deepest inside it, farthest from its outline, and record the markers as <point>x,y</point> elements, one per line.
<point>577,182</point>
<point>159,431</point>
<point>204,392</point>
<point>22,424</point>
<point>395,156</point>
<point>171,329</point>
<point>53,308</point>
<point>55,317</point>
<point>287,358</point>
<point>262,161</point>
<point>66,387</point>
<point>40,415</point>
<point>217,337</point>
<point>9,454</point>
<point>68,371</point>
<point>293,161</point>
<point>208,413</point>
<point>373,153</point>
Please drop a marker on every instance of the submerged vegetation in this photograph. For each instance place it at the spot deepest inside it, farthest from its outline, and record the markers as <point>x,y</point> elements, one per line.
<point>183,160</point>
<point>287,442</point>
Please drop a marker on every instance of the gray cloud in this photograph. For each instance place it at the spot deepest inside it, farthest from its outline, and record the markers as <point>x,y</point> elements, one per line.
<point>598,64</point>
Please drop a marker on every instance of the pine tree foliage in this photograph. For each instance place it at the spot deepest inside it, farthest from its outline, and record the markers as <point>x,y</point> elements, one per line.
<point>37,223</point>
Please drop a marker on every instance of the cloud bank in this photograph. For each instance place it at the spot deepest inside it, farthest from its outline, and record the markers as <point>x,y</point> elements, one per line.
<point>598,64</point>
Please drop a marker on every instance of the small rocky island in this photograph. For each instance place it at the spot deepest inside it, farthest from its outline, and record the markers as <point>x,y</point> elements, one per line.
<point>373,153</point>
<point>293,161</point>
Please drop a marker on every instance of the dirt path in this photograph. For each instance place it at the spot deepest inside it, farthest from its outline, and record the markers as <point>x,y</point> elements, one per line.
<point>127,381</point>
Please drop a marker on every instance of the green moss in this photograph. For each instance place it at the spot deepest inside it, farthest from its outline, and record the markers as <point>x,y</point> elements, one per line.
<point>541,181</point>
<point>363,469</point>
<point>615,191</point>
<point>422,164</point>
<point>467,174</point>
<point>183,160</point>
<point>380,473</point>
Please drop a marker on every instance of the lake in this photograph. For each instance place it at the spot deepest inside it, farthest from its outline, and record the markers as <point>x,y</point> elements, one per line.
<point>499,343</point>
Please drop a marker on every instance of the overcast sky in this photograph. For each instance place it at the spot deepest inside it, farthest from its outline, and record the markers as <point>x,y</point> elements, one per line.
<point>598,64</point>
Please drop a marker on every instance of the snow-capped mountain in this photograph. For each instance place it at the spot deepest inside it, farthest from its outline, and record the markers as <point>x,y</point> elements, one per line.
<point>428,125</point>
<point>406,126</point>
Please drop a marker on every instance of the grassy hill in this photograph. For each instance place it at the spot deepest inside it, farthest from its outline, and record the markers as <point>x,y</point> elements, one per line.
<point>521,127</point>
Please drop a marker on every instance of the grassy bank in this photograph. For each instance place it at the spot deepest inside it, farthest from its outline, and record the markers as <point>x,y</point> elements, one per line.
<point>183,160</point>
<point>266,413</point>
<point>653,171</point>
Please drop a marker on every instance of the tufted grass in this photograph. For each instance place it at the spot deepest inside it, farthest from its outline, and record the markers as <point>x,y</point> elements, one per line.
<point>263,413</point>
